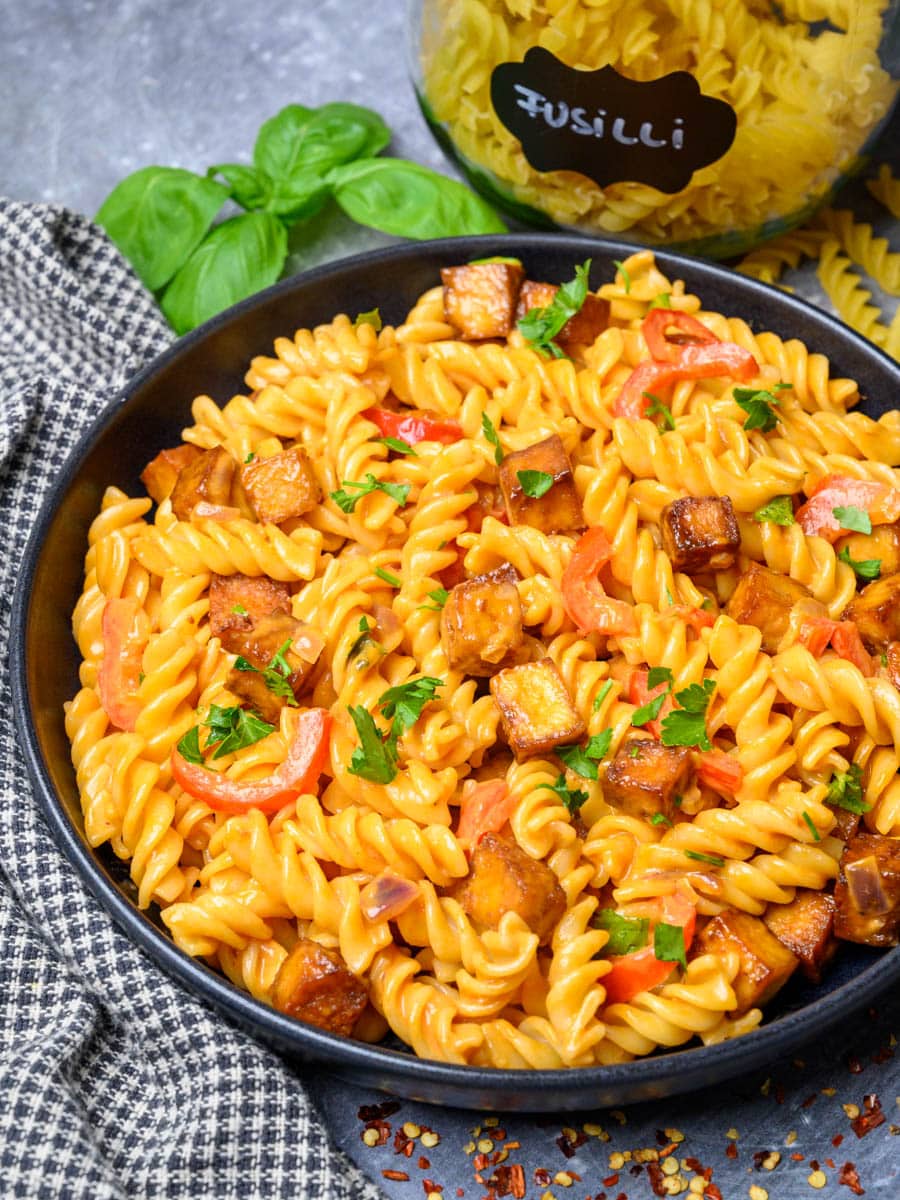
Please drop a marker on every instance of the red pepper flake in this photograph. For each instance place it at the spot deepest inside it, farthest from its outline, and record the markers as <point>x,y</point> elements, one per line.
<point>731,1150</point>
<point>509,1181</point>
<point>870,1119</point>
<point>430,1186</point>
<point>814,1164</point>
<point>397,1176</point>
<point>542,1177</point>
<point>513,1145</point>
<point>882,1055</point>
<point>667,1150</point>
<point>657,1179</point>
<point>829,1163</point>
<point>837,1139</point>
<point>849,1177</point>
<point>695,1165</point>
<point>810,1100</point>
<point>480,1161</point>
<point>569,1144</point>
<point>424,1163</point>
<point>779,1093</point>
<point>712,1192</point>
<point>498,1135</point>
<point>460,1192</point>
<point>797,1157</point>
<point>382,1128</point>
<point>661,1137</point>
<point>854,1066</point>
<point>622,1196</point>
<point>377,1112</point>
<point>400,1141</point>
<point>610,1180</point>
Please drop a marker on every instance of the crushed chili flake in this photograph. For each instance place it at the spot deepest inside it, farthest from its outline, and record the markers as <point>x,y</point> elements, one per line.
<point>779,1093</point>
<point>460,1192</point>
<point>382,1130</point>
<point>569,1141</point>
<point>694,1164</point>
<point>509,1181</point>
<point>610,1180</point>
<point>657,1179</point>
<point>813,1164</point>
<point>870,1119</point>
<point>424,1163</point>
<point>882,1055</point>
<point>542,1176</point>
<point>430,1187</point>
<point>854,1066</point>
<point>712,1192</point>
<point>513,1145</point>
<point>377,1112</point>
<point>499,1135</point>
<point>397,1176</point>
<point>797,1157</point>
<point>837,1139</point>
<point>810,1100</point>
<point>849,1177</point>
<point>829,1163</point>
<point>731,1150</point>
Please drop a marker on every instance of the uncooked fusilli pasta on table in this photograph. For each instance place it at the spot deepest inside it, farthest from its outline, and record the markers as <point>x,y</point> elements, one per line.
<point>521,679</point>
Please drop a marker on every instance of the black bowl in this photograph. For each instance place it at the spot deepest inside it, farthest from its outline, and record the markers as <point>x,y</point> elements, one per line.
<point>149,414</point>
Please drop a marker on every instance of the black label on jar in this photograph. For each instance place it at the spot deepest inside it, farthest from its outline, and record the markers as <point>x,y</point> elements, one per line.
<point>610,128</point>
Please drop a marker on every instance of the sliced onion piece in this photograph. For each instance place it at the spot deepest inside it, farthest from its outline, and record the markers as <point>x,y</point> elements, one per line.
<point>387,896</point>
<point>866,886</point>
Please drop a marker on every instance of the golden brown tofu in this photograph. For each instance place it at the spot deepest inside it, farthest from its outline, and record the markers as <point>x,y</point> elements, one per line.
<point>806,927</point>
<point>557,508</point>
<point>536,712</point>
<point>645,777</point>
<point>764,598</point>
<point>502,879</point>
<point>700,533</point>
<point>845,825</point>
<point>236,601</point>
<point>876,611</point>
<point>275,634</point>
<point>481,622</point>
<point>766,964</point>
<point>281,486</point>
<point>315,985</point>
<point>160,474</point>
<point>480,298</point>
<point>883,544</point>
<point>581,330</point>
<point>207,477</point>
<point>867,893</point>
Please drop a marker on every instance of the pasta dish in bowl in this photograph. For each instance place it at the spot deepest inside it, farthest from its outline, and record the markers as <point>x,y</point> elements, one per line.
<point>505,666</point>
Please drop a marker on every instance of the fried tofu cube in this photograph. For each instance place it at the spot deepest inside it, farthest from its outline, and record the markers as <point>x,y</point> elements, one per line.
<point>160,474</point>
<point>208,477</point>
<point>480,298</point>
<point>481,622</point>
<point>281,486</point>
<point>555,508</point>
<point>700,533</point>
<point>502,879</point>
<point>536,712</point>
<point>766,964</point>
<point>645,778</point>
<point>867,893</point>
<point>581,329</point>
<point>883,544</point>
<point>764,598</point>
<point>845,825</point>
<point>275,634</point>
<point>315,985</point>
<point>876,611</point>
<point>237,601</point>
<point>806,927</point>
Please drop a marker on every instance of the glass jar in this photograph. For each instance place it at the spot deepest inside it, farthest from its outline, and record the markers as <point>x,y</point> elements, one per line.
<point>702,125</point>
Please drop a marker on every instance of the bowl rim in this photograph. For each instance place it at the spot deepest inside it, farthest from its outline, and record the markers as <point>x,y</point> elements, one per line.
<point>692,1062</point>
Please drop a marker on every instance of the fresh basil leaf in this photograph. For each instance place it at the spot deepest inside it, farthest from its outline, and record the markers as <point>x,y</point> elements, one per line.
<point>158,216</point>
<point>849,516</point>
<point>865,568</point>
<point>626,934</point>
<point>247,186</point>
<point>375,758</point>
<point>535,483</point>
<point>409,200</point>
<point>299,139</point>
<point>239,257</point>
<point>668,944</point>
<point>779,511</point>
<point>189,746</point>
<point>846,790</point>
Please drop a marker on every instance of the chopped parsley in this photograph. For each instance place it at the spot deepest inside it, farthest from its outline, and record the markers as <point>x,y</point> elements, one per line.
<point>686,726</point>
<point>626,934</point>
<point>535,483</point>
<point>626,278</point>
<point>490,432</point>
<point>346,502</point>
<point>634,751</point>
<point>250,457</point>
<point>865,568</point>
<point>403,704</point>
<point>846,791</point>
<point>758,404</point>
<point>398,445</point>
<point>189,746</point>
<point>659,818</point>
<point>849,516</point>
<point>663,300</point>
<point>658,675</point>
<point>601,695</point>
<point>811,826</point>
<point>229,728</point>
<point>439,598</point>
<point>650,711</point>
<point>572,798</point>
<point>275,674</point>
<point>656,407</point>
<point>365,636</point>
<point>779,511</point>
<point>372,317</point>
<point>668,944</point>
<point>375,758</point>
<point>239,610</point>
<point>388,577</point>
<point>714,860</point>
<point>540,326</point>
<point>583,759</point>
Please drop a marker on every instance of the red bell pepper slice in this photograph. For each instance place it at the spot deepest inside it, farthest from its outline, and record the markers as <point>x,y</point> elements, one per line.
<point>697,618</point>
<point>412,427</point>
<point>654,327</point>
<point>584,597</point>
<point>126,628</point>
<point>485,808</point>
<point>817,633</point>
<point>640,694</point>
<point>641,970</point>
<point>307,755</point>
<point>720,771</point>
<point>816,517</point>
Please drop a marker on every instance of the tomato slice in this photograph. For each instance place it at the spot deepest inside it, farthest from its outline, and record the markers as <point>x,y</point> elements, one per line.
<point>720,771</point>
<point>412,426</point>
<point>697,618</point>
<point>584,597</point>
<point>642,970</point>
<point>307,755</point>
<point>659,320</point>
<point>640,694</point>
<point>126,628</point>
<point>817,633</point>
<point>485,808</point>
<point>694,361</point>
<point>816,517</point>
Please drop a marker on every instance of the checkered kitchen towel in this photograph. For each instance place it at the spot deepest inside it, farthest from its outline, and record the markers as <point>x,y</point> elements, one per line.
<point>114,1083</point>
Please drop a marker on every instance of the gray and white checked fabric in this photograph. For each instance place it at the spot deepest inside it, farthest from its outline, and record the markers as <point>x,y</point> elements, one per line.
<point>114,1083</point>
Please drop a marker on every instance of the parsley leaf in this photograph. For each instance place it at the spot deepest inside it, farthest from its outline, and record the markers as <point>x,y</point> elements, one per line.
<point>626,278</point>
<point>845,790</point>
<point>535,483</point>
<point>851,517</point>
<point>601,695</point>
<point>626,934</point>
<point>865,568</point>
<point>440,596</point>
<point>398,445</point>
<point>650,711</point>
<point>779,511</point>
<point>663,300</point>
<point>668,944</point>
<point>388,577</point>
<point>572,798</point>
<point>403,704</point>
<point>372,317</point>
<point>655,407</point>
<point>757,403</point>
<point>275,674</point>
<point>490,432</point>
<point>714,860</point>
<point>365,635</point>
<point>250,457</point>
<point>811,826</point>
<point>239,610</point>
<point>375,758</point>
<point>659,818</point>
<point>234,728</point>
<point>189,746</point>
<point>540,326</point>
<point>346,503</point>
<point>686,726</point>
<point>658,675</point>
<point>583,759</point>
